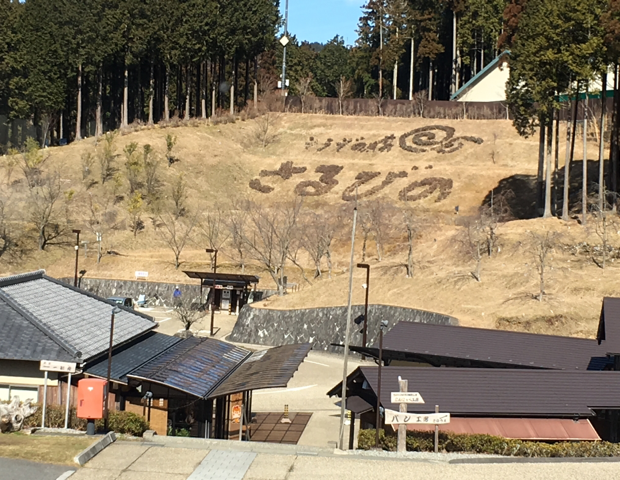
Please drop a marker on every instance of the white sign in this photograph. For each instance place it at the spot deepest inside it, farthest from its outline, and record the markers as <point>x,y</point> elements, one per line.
<point>284,40</point>
<point>52,366</point>
<point>404,418</point>
<point>140,274</point>
<point>407,397</point>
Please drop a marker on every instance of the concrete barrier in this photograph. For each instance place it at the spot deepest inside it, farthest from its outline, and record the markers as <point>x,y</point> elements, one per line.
<point>87,454</point>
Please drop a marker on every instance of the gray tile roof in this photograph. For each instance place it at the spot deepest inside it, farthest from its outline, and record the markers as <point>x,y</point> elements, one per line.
<point>21,339</point>
<point>133,356</point>
<point>78,318</point>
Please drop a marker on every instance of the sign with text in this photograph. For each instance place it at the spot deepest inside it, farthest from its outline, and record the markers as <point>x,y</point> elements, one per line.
<point>52,366</point>
<point>141,274</point>
<point>393,417</point>
<point>407,397</point>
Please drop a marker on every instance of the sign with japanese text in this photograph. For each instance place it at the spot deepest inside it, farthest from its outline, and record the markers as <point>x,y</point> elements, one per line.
<point>393,417</point>
<point>52,366</point>
<point>407,397</point>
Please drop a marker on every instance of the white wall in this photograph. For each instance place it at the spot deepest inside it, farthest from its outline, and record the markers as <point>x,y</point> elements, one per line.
<point>491,87</point>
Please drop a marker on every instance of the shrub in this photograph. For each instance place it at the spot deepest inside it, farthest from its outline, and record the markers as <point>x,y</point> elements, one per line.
<point>488,444</point>
<point>126,422</point>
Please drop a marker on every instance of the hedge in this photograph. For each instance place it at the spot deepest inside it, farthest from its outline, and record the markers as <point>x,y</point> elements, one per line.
<point>119,422</point>
<point>418,441</point>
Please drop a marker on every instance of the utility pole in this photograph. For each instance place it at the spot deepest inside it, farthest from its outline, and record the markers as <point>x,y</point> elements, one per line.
<point>411,69</point>
<point>214,251</point>
<point>284,41</point>
<point>77,251</point>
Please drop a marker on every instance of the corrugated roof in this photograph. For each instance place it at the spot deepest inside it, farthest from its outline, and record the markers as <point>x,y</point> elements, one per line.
<point>265,369</point>
<point>609,324</point>
<point>545,429</point>
<point>21,339</point>
<point>496,392</point>
<point>194,365</point>
<point>133,356</point>
<point>79,318</point>
<point>478,345</point>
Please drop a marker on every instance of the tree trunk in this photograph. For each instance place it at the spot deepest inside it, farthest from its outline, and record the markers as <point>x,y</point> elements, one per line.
<point>328,255</point>
<point>188,89</point>
<point>125,116</point>
<point>584,183</point>
<point>203,91</point>
<point>395,74</point>
<point>548,213</point>
<point>541,168</point>
<point>613,148</point>
<point>246,87</point>
<point>601,152</point>
<point>255,83</point>
<point>78,116</point>
<point>98,113</point>
<point>151,93</point>
<point>556,163</point>
<point>453,86</point>
<point>410,252</point>
<point>167,94</point>
<point>364,247</point>
<point>411,69</point>
<point>430,80</point>
<point>570,137</point>
<point>213,101</point>
<point>232,98</point>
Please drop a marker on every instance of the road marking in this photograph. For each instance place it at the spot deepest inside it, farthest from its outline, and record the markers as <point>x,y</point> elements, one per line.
<point>281,390</point>
<point>317,363</point>
<point>163,320</point>
<point>66,475</point>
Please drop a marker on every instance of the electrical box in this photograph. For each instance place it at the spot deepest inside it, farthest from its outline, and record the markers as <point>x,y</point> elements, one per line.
<point>90,397</point>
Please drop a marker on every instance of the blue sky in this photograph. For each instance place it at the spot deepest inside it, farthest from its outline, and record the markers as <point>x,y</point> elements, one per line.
<point>322,20</point>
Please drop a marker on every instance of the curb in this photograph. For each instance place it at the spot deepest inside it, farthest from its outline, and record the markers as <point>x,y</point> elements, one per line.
<point>84,456</point>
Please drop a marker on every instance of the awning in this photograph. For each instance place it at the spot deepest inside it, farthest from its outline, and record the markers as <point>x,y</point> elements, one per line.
<point>556,429</point>
<point>271,368</point>
<point>357,405</point>
<point>208,278</point>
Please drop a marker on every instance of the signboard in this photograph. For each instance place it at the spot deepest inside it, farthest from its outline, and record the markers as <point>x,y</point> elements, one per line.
<point>402,418</point>
<point>284,40</point>
<point>236,412</point>
<point>52,366</point>
<point>141,274</point>
<point>407,397</point>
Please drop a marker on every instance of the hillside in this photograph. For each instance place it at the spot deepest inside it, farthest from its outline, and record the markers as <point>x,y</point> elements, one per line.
<point>444,169</point>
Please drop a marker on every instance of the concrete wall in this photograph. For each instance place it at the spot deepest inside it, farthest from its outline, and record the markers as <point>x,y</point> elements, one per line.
<point>156,293</point>
<point>321,326</point>
<point>22,378</point>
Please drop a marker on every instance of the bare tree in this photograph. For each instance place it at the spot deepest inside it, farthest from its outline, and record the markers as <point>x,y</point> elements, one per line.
<point>213,229</point>
<point>135,208</point>
<point>270,236</point>
<point>379,104</point>
<point>605,221</point>
<point>473,243</point>
<point>344,89</point>
<point>45,201</point>
<point>171,141</point>
<point>492,215</point>
<point>133,166</point>
<point>236,223</point>
<point>304,86</point>
<point>175,233</point>
<point>179,196</point>
<point>379,214</point>
<point>542,247</point>
<point>312,239</point>
<point>106,157</point>
<point>412,225</point>
<point>187,314</point>
<point>102,219</point>
<point>265,130</point>
<point>150,164</point>
<point>9,236</point>
<point>87,160</point>
<point>32,159</point>
<point>366,228</point>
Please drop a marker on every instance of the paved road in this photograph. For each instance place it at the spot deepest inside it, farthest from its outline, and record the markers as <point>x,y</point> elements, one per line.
<point>233,461</point>
<point>11,469</point>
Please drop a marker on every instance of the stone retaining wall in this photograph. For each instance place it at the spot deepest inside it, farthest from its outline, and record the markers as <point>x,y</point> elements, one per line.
<point>322,326</point>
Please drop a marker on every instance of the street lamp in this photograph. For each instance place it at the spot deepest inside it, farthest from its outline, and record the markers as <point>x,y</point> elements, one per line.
<point>367,287</point>
<point>214,251</point>
<point>382,325</point>
<point>77,251</point>
<point>115,310</point>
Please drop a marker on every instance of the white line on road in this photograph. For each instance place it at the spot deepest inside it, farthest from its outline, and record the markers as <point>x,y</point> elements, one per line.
<point>284,390</point>
<point>163,320</point>
<point>316,363</point>
<point>66,475</point>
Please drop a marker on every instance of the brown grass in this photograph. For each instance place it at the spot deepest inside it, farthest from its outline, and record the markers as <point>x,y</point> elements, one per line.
<point>46,449</point>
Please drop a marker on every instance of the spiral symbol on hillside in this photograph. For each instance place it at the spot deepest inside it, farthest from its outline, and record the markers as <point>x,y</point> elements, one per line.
<point>439,138</point>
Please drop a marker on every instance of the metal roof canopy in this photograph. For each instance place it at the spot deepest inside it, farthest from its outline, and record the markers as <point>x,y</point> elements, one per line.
<point>207,278</point>
<point>494,392</point>
<point>210,368</point>
<point>435,344</point>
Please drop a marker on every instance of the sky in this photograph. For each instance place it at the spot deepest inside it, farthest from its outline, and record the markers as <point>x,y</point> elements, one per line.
<point>322,20</point>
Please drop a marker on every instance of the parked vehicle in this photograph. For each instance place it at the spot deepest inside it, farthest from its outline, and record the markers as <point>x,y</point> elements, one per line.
<point>124,301</point>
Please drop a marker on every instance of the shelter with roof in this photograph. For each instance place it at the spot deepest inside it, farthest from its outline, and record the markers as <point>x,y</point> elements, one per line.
<point>200,384</point>
<point>232,291</point>
<point>517,385</point>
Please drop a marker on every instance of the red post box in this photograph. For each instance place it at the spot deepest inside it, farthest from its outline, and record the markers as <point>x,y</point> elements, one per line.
<point>90,395</point>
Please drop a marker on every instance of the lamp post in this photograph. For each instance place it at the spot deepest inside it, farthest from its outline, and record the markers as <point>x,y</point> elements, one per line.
<point>367,287</point>
<point>77,251</point>
<point>115,310</point>
<point>214,251</point>
<point>382,325</point>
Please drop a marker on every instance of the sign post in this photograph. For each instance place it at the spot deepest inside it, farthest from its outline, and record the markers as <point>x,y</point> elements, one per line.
<point>52,366</point>
<point>68,402</point>
<point>402,428</point>
<point>436,431</point>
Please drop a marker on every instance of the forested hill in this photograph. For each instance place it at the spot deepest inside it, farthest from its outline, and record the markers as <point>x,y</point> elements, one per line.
<point>80,67</point>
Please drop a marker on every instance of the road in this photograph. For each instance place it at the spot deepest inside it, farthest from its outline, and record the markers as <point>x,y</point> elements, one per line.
<point>12,469</point>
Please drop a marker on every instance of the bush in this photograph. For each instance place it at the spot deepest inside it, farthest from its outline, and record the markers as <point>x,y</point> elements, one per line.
<point>119,422</point>
<point>489,444</point>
